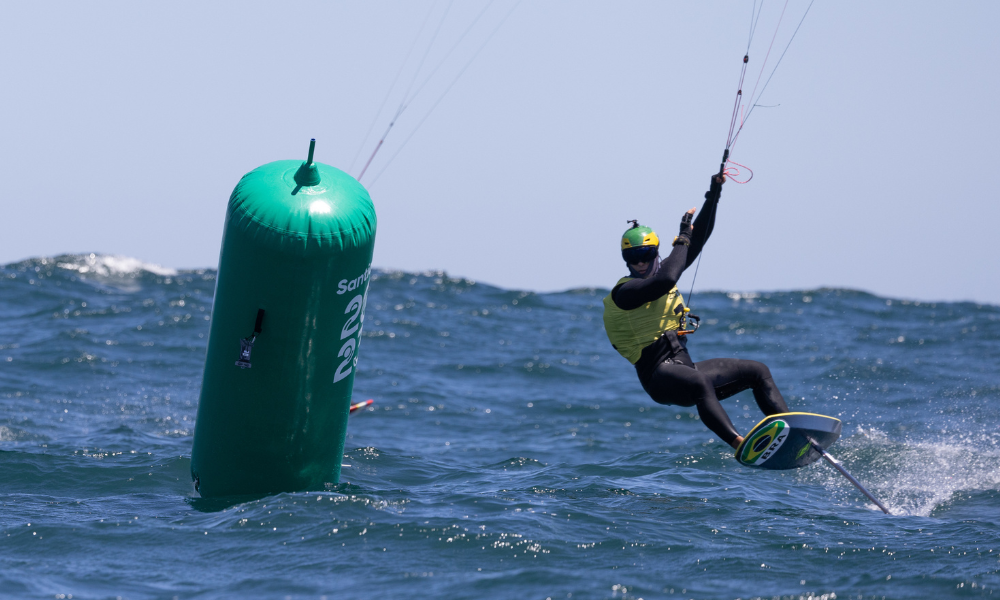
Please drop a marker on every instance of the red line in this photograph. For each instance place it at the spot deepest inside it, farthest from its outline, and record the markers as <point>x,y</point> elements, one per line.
<point>370,158</point>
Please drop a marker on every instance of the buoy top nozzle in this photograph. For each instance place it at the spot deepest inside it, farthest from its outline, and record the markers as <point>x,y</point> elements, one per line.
<point>308,174</point>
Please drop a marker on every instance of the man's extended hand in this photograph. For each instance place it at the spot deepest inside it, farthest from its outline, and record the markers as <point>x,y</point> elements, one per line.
<point>715,186</point>
<point>684,237</point>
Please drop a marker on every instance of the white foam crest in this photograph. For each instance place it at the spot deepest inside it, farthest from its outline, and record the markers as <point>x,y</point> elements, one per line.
<point>941,470</point>
<point>916,477</point>
<point>743,295</point>
<point>107,265</point>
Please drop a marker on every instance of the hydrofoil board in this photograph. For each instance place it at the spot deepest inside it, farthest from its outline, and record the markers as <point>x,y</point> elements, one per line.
<point>788,441</point>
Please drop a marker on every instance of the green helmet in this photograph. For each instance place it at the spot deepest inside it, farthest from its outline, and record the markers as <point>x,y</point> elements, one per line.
<point>639,235</point>
<point>639,244</point>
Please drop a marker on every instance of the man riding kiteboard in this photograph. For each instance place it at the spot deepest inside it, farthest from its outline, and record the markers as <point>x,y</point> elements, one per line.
<point>644,316</point>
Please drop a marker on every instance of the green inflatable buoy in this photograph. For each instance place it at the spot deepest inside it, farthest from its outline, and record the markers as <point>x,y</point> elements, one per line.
<point>286,325</point>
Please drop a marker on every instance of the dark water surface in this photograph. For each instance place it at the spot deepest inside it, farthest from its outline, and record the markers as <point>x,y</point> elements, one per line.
<point>510,452</point>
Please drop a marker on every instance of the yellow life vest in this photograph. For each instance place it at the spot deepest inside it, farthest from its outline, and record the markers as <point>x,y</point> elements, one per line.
<point>632,330</point>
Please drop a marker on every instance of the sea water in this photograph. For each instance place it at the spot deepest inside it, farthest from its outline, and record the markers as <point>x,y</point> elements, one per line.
<point>510,451</point>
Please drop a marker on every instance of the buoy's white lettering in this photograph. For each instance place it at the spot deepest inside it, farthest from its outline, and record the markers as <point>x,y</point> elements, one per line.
<point>352,333</point>
<point>346,367</point>
<point>354,305</point>
<point>349,285</point>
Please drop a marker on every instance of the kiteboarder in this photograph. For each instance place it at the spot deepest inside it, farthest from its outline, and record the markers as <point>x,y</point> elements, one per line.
<point>644,316</point>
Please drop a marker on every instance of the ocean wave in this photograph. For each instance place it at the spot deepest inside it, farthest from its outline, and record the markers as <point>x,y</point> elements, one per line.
<point>108,265</point>
<point>116,265</point>
<point>92,264</point>
<point>507,441</point>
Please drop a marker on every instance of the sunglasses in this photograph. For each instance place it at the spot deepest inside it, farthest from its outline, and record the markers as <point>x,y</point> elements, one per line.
<point>640,254</point>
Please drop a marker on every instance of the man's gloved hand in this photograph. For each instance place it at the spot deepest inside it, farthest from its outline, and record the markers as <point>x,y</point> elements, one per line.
<point>715,187</point>
<point>684,237</point>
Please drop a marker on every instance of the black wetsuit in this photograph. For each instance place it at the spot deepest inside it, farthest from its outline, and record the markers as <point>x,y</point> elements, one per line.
<point>665,368</point>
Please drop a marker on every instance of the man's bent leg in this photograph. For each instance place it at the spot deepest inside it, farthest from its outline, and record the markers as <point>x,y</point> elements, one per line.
<point>730,376</point>
<point>684,386</point>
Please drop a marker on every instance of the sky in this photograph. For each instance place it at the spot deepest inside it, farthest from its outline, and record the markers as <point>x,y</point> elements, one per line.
<point>125,127</point>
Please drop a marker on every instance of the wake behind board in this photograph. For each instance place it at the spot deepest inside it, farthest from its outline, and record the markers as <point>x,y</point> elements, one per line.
<point>788,441</point>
